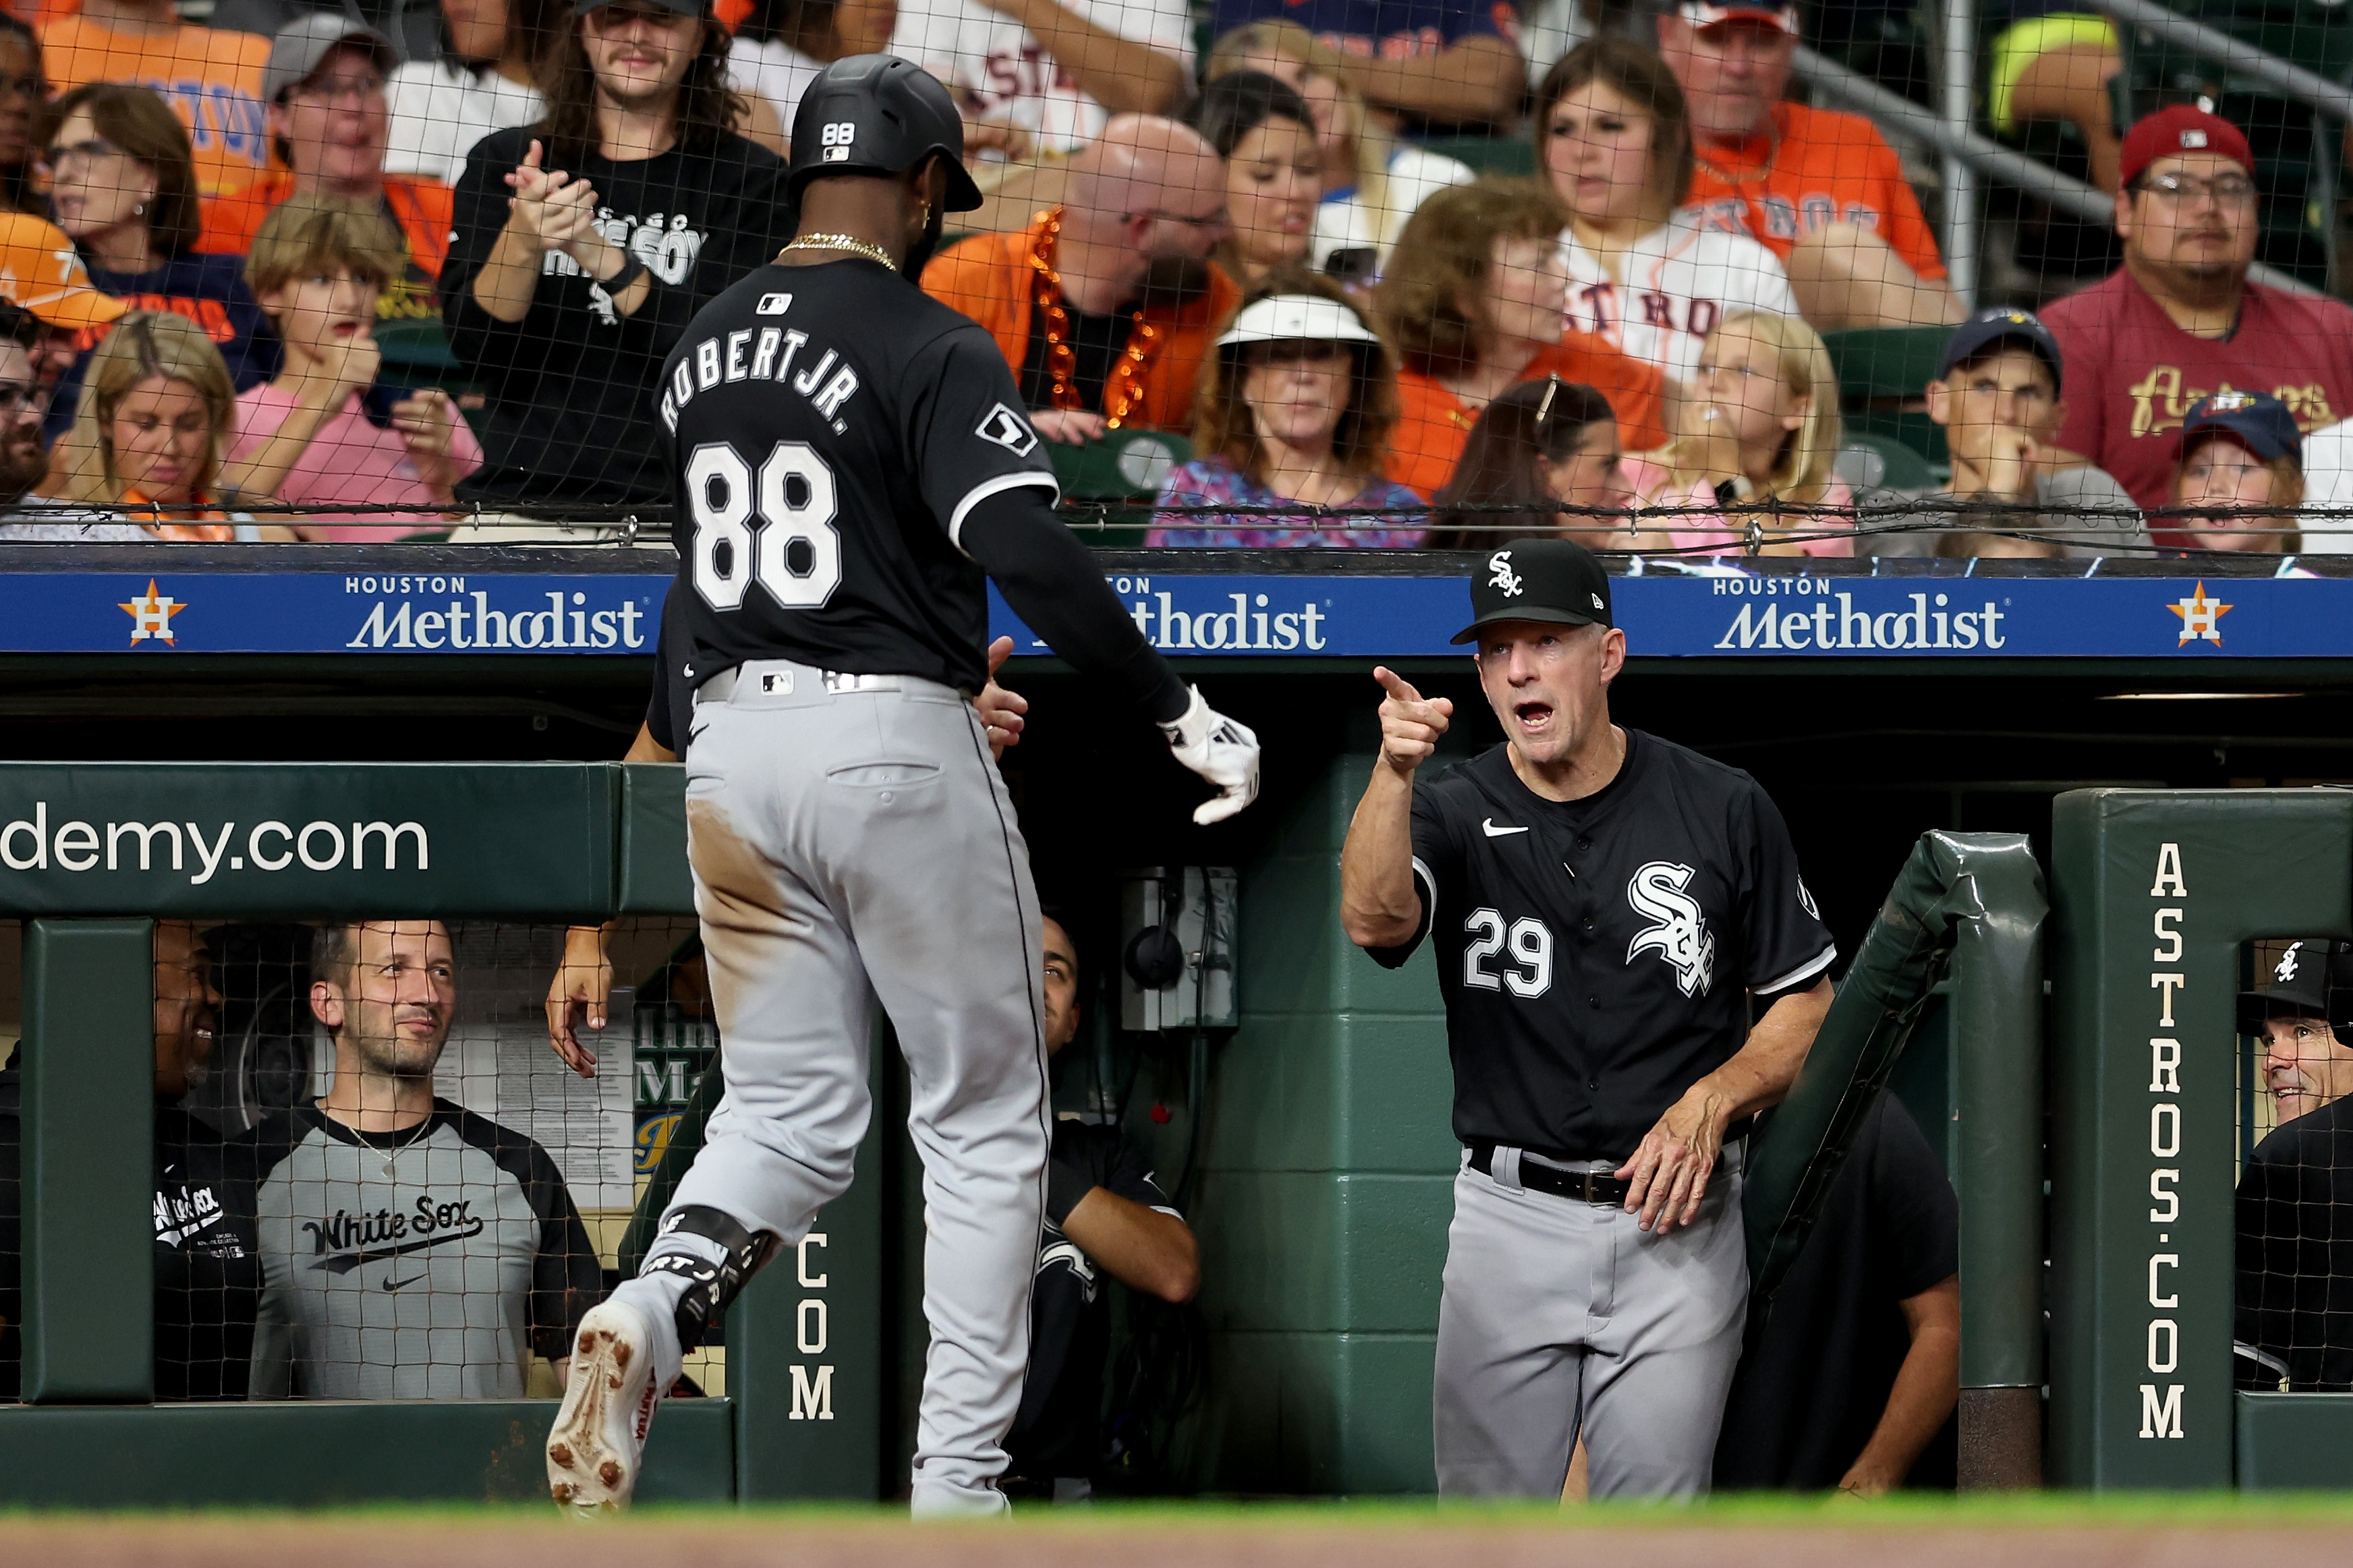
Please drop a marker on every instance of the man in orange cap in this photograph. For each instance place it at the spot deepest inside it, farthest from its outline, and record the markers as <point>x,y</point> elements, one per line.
<point>41,274</point>
<point>2179,321</point>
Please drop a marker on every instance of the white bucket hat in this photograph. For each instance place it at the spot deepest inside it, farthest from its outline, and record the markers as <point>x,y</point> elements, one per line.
<point>1297,318</point>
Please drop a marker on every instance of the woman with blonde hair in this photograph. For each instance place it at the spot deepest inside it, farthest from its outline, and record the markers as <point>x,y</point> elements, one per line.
<point>1372,183</point>
<point>1754,463</point>
<point>156,414</point>
<point>1296,408</point>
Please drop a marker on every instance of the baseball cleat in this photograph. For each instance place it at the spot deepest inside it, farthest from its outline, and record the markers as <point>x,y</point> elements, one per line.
<point>599,1435</point>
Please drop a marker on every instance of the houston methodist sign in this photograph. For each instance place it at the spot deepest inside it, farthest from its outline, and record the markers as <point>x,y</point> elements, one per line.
<point>1682,612</point>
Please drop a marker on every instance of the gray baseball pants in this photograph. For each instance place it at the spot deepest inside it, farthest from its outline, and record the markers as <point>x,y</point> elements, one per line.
<point>1560,1316</point>
<point>853,845</point>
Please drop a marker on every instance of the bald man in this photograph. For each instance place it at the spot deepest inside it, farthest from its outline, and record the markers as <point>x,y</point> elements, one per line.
<point>1105,305</point>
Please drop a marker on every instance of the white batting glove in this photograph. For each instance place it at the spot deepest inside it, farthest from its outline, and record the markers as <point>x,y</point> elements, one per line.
<point>1220,751</point>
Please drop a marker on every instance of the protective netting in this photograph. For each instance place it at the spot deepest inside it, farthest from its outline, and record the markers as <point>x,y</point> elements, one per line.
<point>373,1177</point>
<point>1321,274</point>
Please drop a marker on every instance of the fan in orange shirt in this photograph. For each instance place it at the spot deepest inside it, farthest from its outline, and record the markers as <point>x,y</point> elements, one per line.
<point>211,77</point>
<point>1472,303</point>
<point>1821,189</point>
<point>329,120</point>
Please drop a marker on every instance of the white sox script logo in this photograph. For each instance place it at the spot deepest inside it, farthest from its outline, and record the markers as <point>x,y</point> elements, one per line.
<point>1681,936</point>
<point>1500,563</point>
<point>2285,971</point>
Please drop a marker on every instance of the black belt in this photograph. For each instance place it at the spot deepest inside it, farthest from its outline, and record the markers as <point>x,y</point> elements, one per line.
<point>1584,1186</point>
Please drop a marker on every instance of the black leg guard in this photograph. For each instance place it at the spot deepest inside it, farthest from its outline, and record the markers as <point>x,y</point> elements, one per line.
<point>710,1287</point>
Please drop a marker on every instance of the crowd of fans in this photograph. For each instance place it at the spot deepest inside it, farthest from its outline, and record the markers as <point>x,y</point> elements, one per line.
<point>439,267</point>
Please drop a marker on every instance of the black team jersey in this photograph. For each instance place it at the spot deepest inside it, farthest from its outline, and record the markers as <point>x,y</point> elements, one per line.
<point>831,428</point>
<point>1597,956</point>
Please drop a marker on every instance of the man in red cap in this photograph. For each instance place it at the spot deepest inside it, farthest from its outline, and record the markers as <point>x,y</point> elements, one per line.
<point>1820,189</point>
<point>2179,321</point>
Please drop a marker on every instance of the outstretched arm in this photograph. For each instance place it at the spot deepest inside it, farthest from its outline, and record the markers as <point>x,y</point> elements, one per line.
<point>584,976</point>
<point>1378,906</point>
<point>1144,1248</point>
<point>1927,1386</point>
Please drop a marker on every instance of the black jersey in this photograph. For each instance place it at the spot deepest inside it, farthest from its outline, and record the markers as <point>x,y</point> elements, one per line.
<point>1597,955</point>
<point>831,427</point>
<point>2296,1256</point>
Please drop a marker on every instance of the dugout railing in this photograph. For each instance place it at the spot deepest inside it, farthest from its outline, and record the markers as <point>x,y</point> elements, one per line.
<point>803,1412</point>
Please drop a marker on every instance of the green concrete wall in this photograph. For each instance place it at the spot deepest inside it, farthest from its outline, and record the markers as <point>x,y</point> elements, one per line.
<point>1326,1188</point>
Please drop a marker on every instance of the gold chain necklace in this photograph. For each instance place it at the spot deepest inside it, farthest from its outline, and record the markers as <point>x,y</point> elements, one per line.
<point>851,243</point>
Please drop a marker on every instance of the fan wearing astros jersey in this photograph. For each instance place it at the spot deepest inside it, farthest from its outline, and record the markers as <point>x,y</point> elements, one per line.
<point>1608,908</point>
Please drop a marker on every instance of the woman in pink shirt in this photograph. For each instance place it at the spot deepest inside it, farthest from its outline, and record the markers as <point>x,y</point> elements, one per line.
<point>1754,466</point>
<point>317,266</point>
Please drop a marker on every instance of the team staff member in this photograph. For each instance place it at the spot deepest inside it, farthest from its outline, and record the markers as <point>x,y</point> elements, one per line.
<point>410,1248</point>
<point>1605,905</point>
<point>2294,1329</point>
<point>207,1267</point>
<point>1105,1213</point>
<point>853,467</point>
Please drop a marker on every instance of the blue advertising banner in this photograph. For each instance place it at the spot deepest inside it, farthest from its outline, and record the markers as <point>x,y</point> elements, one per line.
<point>1729,614</point>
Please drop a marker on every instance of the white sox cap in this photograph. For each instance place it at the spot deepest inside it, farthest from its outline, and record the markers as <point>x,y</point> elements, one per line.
<point>1297,318</point>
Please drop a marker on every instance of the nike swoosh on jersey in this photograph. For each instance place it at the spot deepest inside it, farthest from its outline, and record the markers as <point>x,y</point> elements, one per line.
<point>391,1284</point>
<point>1496,832</point>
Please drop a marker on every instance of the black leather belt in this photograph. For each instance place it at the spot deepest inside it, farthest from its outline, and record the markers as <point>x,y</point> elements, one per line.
<point>1584,1186</point>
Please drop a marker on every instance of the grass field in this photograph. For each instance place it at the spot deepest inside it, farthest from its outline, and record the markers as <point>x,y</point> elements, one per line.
<point>2008,1532</point>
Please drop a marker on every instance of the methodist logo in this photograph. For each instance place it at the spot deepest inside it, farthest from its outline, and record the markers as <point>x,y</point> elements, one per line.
<point>1829,623</point>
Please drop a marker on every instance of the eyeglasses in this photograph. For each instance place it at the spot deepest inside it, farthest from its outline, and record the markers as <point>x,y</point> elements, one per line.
<point>20,396</point>
<point>2180,190</point>
<point>335,92</point>
<point>80,154</point>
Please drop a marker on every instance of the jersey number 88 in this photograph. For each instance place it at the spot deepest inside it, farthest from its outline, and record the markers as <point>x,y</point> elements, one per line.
<point>793,504</point>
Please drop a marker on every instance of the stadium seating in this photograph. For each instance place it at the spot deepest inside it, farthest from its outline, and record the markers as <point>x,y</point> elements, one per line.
<point>1880,371</point>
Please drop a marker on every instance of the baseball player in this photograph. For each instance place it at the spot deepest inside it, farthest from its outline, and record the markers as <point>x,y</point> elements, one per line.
<point>853,459</point>
<point>1608,907</point>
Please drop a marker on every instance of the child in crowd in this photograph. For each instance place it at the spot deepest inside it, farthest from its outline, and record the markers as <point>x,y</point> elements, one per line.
<point>156,409</point>
<point>1761,433</point>
<point>1542,444</point>
<point>2240,455</point>
<point>1298,408</point>
<point>317,266</point>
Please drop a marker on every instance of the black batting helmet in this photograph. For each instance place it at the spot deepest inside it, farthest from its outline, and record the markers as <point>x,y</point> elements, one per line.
<point>878,114</point>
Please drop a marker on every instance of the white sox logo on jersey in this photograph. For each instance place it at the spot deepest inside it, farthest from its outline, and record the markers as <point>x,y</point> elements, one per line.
<point>1681,936</point>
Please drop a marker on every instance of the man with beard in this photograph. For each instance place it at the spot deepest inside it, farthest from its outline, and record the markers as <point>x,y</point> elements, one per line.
<point>24,398</point>
<point>207,1269</point>
<point>410,1248</point>
<point>582,247</point>
<point>2294,1325</point>
<point>1106,306</point>
<point>2179,321</point>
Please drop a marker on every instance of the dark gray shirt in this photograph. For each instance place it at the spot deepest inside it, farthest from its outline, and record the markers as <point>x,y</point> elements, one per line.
<point>2084,506</point>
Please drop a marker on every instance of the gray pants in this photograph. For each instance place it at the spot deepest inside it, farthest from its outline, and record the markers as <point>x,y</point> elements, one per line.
<point>1560,1316</point>
<point>857,846</point>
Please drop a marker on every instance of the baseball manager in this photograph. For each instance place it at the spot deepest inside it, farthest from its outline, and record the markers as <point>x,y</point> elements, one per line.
<point>1609,909</point>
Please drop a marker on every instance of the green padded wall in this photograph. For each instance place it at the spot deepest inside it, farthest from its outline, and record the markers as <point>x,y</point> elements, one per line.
<point>1326,1188</point>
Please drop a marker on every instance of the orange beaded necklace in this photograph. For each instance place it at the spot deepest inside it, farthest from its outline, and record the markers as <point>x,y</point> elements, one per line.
<point>1123,388</point>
